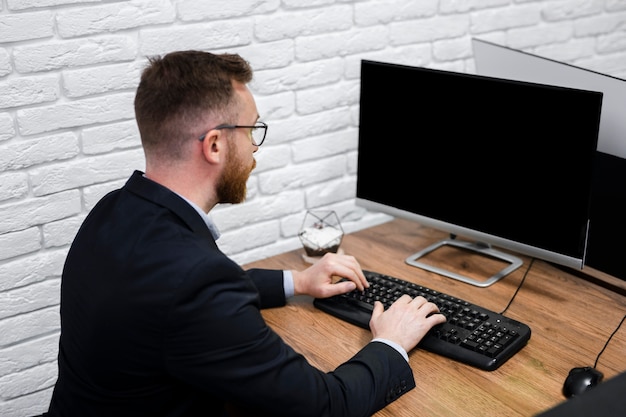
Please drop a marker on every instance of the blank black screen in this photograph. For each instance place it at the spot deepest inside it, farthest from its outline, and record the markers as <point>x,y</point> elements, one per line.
<point>507,158</point>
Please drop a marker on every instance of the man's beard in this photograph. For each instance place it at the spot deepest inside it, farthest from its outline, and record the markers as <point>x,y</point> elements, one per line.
<point>231,187</point>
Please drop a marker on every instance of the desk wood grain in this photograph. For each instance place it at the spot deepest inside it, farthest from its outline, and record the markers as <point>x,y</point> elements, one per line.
<point>570,318</point>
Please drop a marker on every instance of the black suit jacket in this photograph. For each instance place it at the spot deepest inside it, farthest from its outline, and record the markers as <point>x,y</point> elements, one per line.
<point>157,321</point>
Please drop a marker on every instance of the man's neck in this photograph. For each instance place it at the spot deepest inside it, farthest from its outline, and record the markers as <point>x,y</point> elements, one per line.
<point>187,185</point>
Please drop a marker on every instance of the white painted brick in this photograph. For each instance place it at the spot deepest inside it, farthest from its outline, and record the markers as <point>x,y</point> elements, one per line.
<point>28,354</point>
<point>303,23</point>
<point>295,177</point>
<point>31,4</point>
<point>75,53</point>
<point>610,25</point>
<point>194,10</point>
<point>90,81</point>
<point>498,19</point>
<point>85,171</point>
<point>569,10</point>
<point>350,215</point>
<point>300,76</point>
<point>325,146</point>
<point>364,219</point>
<point>428,30</point>
<point>40,210</point>
<point>205,36</point>
<point>416,55</point>
<point>330,192</point>
<point>266,251</point>
<point>456,66</point>
<point>28,405</point>
<point>309,125</point>
<point>457,6</point>
<point>114,17</point>
<point>77,113</point>
<point>295,4</point>
<point>291,225</point>
<point>257,210</point>
<point>111,137</point>
<point>277,54</point>
<point>266,161</point>
<point>32,268</point>
<point>7,127</point>
<point>26,26</point>
<point>26,153</point>
<point>239,239</point>
<point>328,97</point>
<point>29,380</point>
<point>530,36</point>
<point>5,62</point>
<point>325,46</point>
<point>452,49</point>
<point>252,187</point>
<point>61,232</point>
<point>13,185</point>
<point>285,130</point>
<point>490,4</point>
<point>94,193</point>
<point>33,90</point>
<point>351,162</point>
<point>19,243</point>
<point>386,11</point>
<point>29,298</point>
<point>615,5</point>
<point>354,116</point>
<point>276,106</point>
<point>26,326</point>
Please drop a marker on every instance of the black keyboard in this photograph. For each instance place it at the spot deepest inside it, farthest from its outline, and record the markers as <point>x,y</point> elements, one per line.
<point>472,334</point>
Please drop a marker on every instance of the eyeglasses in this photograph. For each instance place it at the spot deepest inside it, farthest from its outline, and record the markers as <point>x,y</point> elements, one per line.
<point>257,132</point>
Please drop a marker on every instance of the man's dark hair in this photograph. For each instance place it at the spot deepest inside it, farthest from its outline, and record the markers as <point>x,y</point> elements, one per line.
<point>179,91</point>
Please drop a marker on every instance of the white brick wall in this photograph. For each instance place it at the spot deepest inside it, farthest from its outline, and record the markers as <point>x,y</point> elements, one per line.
<point>68,71</point>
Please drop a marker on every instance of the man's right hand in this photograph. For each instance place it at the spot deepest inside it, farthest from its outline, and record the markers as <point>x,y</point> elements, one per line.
<point>406,321</point>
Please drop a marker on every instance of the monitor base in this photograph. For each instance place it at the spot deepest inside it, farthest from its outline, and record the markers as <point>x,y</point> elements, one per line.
<point>482,248</point>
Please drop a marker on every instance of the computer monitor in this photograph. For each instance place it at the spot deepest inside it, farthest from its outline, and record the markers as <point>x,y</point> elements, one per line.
<point>606,246</point>
<point>501,162</point>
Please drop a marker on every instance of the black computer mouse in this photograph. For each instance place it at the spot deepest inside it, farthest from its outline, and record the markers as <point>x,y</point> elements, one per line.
<point>581,379</point>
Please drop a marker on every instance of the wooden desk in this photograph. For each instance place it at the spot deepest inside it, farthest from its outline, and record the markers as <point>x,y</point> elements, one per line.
<point>571,319</point>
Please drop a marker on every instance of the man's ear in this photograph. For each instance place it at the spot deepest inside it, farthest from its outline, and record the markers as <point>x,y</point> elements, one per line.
<point>213,146</point>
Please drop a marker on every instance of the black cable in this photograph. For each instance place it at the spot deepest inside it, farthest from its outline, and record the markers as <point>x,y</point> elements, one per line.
<point>519,286</point>
<point>608,340</point>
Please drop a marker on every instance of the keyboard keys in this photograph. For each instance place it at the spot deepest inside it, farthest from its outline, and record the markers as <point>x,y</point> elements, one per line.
<point>472,334</point>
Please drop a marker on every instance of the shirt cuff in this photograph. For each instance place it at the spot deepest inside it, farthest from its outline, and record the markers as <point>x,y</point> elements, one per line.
<point>394,345</point>
<point>288,284</point>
